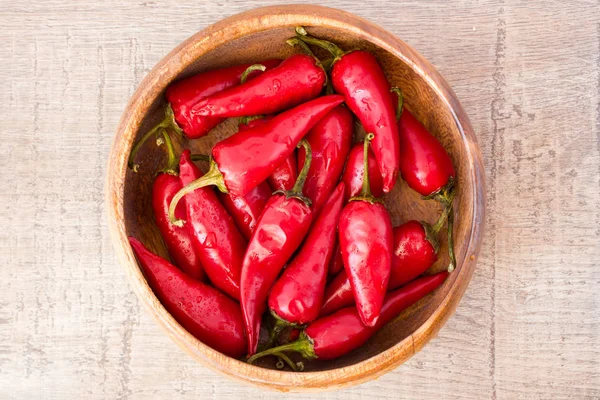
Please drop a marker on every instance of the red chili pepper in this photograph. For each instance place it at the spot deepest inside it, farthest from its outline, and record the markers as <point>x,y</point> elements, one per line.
<point>178,240</point>
<point>366,240</point>
<point>330,140</point>
<point>359,78</point>
<point>415,250</point>
<point>242,161</point>
<point>244,210</point>
<point>353,178</point>
<point>426,166</point>
<point>184,94</point>
<point>296,80</point>
<point>217,240</point>
<point>338,334</point>
<point>296,297</point>
<point>209,315</point>
<point>285,175</point>
<point>278,234</point>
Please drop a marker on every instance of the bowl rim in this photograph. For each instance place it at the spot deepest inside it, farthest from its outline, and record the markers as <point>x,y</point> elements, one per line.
<point>213,36</point>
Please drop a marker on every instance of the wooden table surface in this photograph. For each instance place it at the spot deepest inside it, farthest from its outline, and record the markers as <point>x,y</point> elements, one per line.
<point>528,75</point>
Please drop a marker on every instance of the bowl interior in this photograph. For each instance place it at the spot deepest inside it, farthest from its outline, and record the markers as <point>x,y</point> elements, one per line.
<point>404,204</point>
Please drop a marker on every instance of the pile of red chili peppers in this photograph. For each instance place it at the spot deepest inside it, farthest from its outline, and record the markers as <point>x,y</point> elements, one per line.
<point>294,241</point>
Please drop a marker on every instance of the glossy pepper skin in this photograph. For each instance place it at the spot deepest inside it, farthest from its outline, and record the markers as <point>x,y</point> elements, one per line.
<point>242,161</point>
<point>217,240</point>
<point>330,140</point>
<point>209,315</point>
<point>279,232</point>
<point>360,79</point>
<point>338,334</point>
<point>297,295</point>
<point>184,94</point>
<point>366,239</point>
<point>337,263</point>
<point>412,255</point>
<point>245,210</point>
<point>296,80</point>
<point>285,175</point>
<point>178,239</point>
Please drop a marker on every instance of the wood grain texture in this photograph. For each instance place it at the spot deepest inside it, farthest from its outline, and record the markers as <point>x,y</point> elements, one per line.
<point>528,75</point>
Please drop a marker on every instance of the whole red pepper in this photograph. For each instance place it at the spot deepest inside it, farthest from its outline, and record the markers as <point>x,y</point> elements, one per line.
<point>366,241</point>
<point>415,250</point>
<point>178,240</point>
<point>244,210</point>
<point>209,315</point>
<point>359,78</point>
<point>338,334</point>
<point>296,297</point>
<point>242,161</point>
<point>330,140</point>
<point>426,166</point>
<point>353,178</point>
<point>278,234</point>
<point>217,240</point>
<point>184,94</point>
<point>296,80</point>
<point>285,175</point>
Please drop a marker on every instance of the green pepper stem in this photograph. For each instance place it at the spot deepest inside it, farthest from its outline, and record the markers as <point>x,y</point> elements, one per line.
<point>171,160</point>
<point>247,119</point>
<point>303,346</point>
<point>167,122</point>
<point>451,240</point>
<point>250,69</point>
<point>212,177</point>
<point>400,106</point>
<point>335,51</point>
<point>200,157</point>
<point>296,191</point>
<point>288,361</point>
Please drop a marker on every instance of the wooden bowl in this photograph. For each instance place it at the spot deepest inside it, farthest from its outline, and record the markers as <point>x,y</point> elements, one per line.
<point>257,35</point>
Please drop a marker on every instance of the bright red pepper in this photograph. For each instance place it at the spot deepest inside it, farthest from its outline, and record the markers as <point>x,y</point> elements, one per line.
<point>184,94</point>
<point>296,297</point>
<point>245,210</point>
<point>296,80</point>
<point>209,315</point>
<point>285,175</point>
<point>359,78</point>
<point>217,240</point>
<point>338,334</point>
<point>178,240</point>
<point>278,234</point>
<point>330,140</point>
<point>242,161</point>
<point>353,178</point>
<point>355,169</point>
<point>426,166</point>
<point>366,240</point>
<point>413,253</point>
